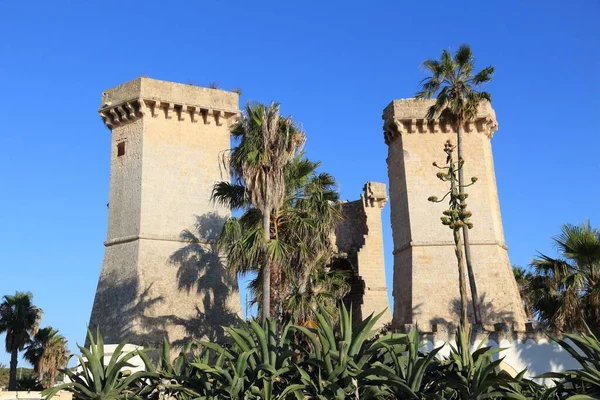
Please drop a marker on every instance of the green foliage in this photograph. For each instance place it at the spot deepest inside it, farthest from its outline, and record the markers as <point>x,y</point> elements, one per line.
<point>19,320</point>
<point>24,377</point>
<point>94,378</point>
<point>455,86</point>
<point>332,360</point>
<point>48,353</point>
<point>299,246</point>
<point>411,373</point>
<point>583,383</point>
<point>457,92</point>
<point>336,364</point>
<point>564,292</point>
<point>473,375</point>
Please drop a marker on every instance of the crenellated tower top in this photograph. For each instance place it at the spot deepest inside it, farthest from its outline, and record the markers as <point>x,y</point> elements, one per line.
<point>374,194</point>
<point>407,116</point>
<point>155,98</point>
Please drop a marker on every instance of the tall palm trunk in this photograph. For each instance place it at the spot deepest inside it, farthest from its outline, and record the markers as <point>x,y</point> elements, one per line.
<point>458,249</point>
<point>462,284</point>
<point>465,230</point>
<point>266,283</point>
<point>12,380</point>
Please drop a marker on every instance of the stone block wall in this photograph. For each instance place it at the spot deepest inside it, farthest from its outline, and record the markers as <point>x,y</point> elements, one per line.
<point>425,270</point>
<point>162,274</point>
<point>360,236</point>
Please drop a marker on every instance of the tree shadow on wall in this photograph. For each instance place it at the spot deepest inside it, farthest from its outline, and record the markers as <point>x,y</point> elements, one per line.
<point>118,306</point>
<point>202,272</point>
<point>489,314</point>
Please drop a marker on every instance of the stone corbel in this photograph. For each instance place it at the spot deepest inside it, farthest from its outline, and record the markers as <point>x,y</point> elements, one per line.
<point>422,126</point>
<point>106,117</point>
<point>399,125</point>
<point>169,109</point>
<point>219,117</point>
<point>180,111</point>
<point>130,106</point>
<point>148,105</point>
<point>412,125</point>
<point>191,110</point>
<point>435,126</point>
<point>210,116</point>
<point>115,114</point>
<point>124,114</point>
<point>231,118</point>
<point>468,126</point>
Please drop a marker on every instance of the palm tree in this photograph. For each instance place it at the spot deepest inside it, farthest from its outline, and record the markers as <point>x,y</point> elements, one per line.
<point>19,319</point>
<point>267,142</point>
<point>565,291</point>
<point>300,242</point>
<point>48,353</point>
<point>457,94</point>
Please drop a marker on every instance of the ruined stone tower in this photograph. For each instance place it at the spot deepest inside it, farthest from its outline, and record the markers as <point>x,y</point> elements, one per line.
<point>425,272</point>
<point>162,274</point>
<point>359,235</point>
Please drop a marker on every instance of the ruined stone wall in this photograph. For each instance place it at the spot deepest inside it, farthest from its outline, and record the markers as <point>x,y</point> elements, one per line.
<point>425,271</point>
<point>162,274</point>
<point>360,236</point>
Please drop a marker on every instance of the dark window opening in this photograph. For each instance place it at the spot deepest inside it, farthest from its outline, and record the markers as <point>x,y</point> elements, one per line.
<point>121,149</point>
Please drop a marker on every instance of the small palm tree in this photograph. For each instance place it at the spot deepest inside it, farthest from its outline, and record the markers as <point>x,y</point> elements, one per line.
<point>456,89</point>
<point>48,353</point>
<point>19,319</point>
<point>565,291</point>
<point>267,143</point>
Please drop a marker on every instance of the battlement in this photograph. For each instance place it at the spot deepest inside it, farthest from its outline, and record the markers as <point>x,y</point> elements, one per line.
<point>135,99</point>
<point>408,116</point>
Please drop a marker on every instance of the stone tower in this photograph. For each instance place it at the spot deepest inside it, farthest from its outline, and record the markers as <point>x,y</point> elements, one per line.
<point>360,236</point>
<point>162,274</point>
<point>425,272</point>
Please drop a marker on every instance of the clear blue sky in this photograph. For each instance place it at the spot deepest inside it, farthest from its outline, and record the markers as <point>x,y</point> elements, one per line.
<point>333,65</point>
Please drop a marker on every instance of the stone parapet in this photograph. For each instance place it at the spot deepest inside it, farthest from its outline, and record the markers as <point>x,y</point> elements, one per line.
<point>144,96</point>
<point>408,116</point>
<point>425,270</point>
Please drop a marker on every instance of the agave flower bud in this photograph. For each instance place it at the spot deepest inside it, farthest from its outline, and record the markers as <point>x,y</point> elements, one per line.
<point>432,198</point>
<point>462,196</point>
<point>473,179</point>
<point>459,224</point>
<point>470,225</point>
<point>447,212</point>
<point>446,221</point>
<point>435,164</point>
<point>465,214</point>
<point>440,175</point>
<point>463,205</point>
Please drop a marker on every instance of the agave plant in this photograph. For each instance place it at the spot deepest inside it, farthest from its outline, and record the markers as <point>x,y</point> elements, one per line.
<point>337,365</point>
<point>178,378</point>
<point>410,372</point>
<point>100,379</point>
<point>474,375</point>
<point>583,383</point>
<point>256,365</point>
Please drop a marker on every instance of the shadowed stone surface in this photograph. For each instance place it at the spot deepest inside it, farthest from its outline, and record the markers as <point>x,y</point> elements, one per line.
<point>360,236</point>
<point>425,271</point>
<point>162,275</point>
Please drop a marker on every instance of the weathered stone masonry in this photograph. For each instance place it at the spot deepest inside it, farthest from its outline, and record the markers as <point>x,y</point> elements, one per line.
<point>162,274</point>
<point>425,273</point>
<point>360,236</point>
